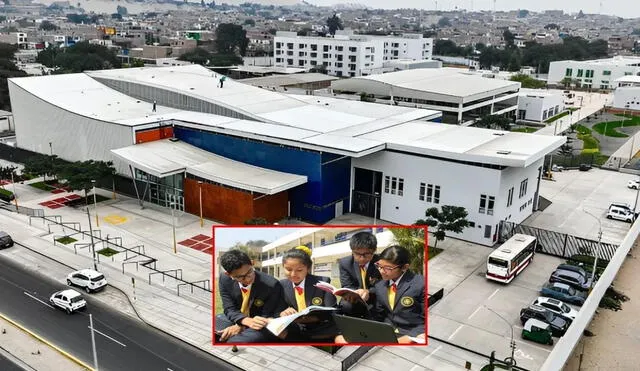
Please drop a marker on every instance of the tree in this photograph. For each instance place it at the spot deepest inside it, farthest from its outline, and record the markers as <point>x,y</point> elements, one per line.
<point>47,26</point>
<point>412,239</point>
<point>494,122</point>
<point>528,82</point>
<point>248,22</point>
<point>256,221</point>
<point>79,175</point>
<point>509,38</point>
<point>122,10</point>
<point>7,70</point>
<point>566,82</point>
<point>80,57</point>
<point>451,218</point>
<point>231,39</point>
<point>334,23</point>
<point>253,252</point>
<point>197,56</point>
<point>42,165</point>
<point>566,150</point>
<point>444,22</point>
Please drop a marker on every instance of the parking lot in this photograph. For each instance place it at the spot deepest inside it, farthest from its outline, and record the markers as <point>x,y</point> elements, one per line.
<point>462,316</point>
<point>572,191</point>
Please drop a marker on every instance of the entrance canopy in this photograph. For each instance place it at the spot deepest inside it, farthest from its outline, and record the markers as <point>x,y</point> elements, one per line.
<point>167,157</point>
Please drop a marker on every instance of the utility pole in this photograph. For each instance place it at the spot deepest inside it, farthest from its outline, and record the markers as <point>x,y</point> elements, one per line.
<point>93,246</point>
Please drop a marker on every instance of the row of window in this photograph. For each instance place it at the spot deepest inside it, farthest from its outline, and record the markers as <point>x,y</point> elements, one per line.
<point>428,192</point>
<point>325,48</point>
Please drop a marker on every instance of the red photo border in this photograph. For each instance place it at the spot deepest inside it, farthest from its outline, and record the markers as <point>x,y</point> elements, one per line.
<point>294,226</point>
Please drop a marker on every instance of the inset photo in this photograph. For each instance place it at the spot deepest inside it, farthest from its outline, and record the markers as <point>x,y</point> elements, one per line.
<point>329,285</point>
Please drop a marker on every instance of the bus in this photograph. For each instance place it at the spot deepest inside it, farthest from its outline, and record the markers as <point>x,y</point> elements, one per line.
<point>508,260</point>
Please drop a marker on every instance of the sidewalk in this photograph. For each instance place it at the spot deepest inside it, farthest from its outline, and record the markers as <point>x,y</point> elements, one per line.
<point>187,316</point>
<point>591,103</point>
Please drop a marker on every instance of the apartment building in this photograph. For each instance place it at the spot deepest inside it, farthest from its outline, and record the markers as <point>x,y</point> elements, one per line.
<point>346,54</point>
<point>595,74</point>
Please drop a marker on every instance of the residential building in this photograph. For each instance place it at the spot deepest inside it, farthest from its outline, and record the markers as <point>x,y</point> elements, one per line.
<point>626,96</point>
<point>538,105</point>
<point>594,74</point>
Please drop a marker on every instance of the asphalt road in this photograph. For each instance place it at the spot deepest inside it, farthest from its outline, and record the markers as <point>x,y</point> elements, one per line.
<point>122,343</point>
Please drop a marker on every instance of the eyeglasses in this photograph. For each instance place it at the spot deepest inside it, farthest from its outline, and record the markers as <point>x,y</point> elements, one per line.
<point>386,269</point>
<point>241,277</point>
<point>365,255</point>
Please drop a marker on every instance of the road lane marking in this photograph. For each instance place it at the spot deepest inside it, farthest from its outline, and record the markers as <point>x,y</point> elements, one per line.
<point>455,332</point>
<point>107,336</point>
<point>474,313</point>
<point>495,292</point>
<point>36,299</point>
<point>432,353</point>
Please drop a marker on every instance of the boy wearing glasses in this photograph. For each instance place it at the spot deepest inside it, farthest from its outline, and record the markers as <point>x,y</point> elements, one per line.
<point>358,272</point>
<point>250,300</point>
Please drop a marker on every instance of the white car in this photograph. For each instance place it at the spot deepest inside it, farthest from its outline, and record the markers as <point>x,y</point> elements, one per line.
<point>88,279</point>
<point>633,184</point>
<point>68,300</point>
<point>556,306</point>
<point>620,213</point>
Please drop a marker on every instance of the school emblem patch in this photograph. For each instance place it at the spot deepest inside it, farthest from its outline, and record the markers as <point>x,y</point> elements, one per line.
<point>316,301</point>
<point>406,301</point>
<point>258,303</point>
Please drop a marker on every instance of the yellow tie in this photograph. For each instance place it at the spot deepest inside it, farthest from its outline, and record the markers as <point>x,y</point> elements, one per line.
<point>299,291</point>
<point>363,274</point>
<point>245,301</point>
<point>392,296</point>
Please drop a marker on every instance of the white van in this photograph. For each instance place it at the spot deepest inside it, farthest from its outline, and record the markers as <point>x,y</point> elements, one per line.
<point>620,213</point>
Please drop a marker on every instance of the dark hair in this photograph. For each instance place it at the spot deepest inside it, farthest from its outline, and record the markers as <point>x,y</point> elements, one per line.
<point>396,254</point>
<point>299,254</point>
<point>363,240</point>
<point>234,259</point>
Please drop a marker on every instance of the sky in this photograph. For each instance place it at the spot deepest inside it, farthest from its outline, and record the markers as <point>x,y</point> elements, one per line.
<point>227,237</point>
<point>621,8</point>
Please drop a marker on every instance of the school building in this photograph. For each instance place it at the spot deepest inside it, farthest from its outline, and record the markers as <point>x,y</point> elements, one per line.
<point>241,152</point>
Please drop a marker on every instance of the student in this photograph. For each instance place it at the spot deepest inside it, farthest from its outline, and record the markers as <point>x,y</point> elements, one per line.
<point>400,294</point>
<point>358,272</point>
<point>250,299</point>
<point>300,293</point>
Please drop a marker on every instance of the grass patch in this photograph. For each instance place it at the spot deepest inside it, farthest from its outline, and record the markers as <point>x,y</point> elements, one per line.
<point>583,130</point>
<point>66,240</point>
<point>434,251</point>
<point>591,144</point>
<point>525,130</point>
<point>107,251</point>
<point>42,186</point>
<point>88,201</point>
<point>5,192</point>
<point>609,128</point>
<point>556,117</point>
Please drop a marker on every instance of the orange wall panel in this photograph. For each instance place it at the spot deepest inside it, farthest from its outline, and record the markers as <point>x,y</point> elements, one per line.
<point>218,203</point>
<point>273,208</point>
<point>153,134</point>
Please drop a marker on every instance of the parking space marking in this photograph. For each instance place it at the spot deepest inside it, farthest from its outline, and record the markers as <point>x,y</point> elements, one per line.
<point>490,296</point>
<point>36,299</point>
<point>108,337</point>
<point>455,332</point>
<point>432,353</point>
<point>474,312</point>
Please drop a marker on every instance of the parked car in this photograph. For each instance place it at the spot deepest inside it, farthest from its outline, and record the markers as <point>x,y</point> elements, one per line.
<point>620,213</point>
<point>577,280</point>
<point>68,300</point>
<point>88,279</point>
<point>5,240</point>
<point>557,168</point>
<point>564,292</point>
<point>584,167</point>
<point>558,307</point>
<point>538,331</point>
<point>575,268</point>
<point>633,184</point>
<point>558,324</point>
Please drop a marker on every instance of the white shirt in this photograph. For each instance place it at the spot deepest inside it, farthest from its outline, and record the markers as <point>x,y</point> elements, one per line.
<point>301,284</point>
<point>397,282</point>
<point>248,288</point>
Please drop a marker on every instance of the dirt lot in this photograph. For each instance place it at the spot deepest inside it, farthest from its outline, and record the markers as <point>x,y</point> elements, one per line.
<point>617,334</point>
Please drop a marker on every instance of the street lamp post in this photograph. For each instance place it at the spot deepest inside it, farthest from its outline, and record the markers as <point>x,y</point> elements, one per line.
<point>200,192</point>
<point>595,255</point>
<point>15,195</point>
<point>173,227</point>
<point>511,361</point>
<point>93,246</point>
<point>95,203</point>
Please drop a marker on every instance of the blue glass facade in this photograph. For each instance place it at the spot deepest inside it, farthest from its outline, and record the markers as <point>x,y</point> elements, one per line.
<point>313,201</point>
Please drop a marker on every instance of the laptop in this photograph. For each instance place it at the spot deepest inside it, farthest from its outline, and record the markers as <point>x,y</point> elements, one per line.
<point>358,330</point>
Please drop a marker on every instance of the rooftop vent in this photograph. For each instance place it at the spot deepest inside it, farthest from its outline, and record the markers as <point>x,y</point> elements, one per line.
<point>504,152</point>
<point>498,134</point>
<point>507,251</point>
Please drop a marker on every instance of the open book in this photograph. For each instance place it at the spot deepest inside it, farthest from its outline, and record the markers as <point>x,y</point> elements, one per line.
<point>277,325</point>
<point>417,340</point>
<point>325,286</point>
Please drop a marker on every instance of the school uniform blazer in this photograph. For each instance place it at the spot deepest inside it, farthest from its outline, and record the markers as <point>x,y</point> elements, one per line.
<point>265,298</point>
<point>408,312</point>
<point>312,294</point>
<point>350,274</point>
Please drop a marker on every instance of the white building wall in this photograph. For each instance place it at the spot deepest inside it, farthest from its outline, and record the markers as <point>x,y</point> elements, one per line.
<point>408,47</point>
<point>604,74</point>
<point>460,185</point>
<point>627,98</point>
<point>540,107</point>
<point>72,137</point>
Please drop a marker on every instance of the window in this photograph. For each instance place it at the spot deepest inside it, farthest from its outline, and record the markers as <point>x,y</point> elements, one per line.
<point>353,49</point>
<point>606,73</point>
<point>436,195</point>
<point>523,188</point>
<point>483,204</point>
<point>397,185</point>
<point>510,197</point>
<point>580,72</point>
<point>569,72</point>
<point>491,203</point>
<point>422,190</point>
<point>487,231</point>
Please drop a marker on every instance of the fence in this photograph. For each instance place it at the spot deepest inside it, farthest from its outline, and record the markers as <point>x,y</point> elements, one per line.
<point>556,243</point>
<point>10,206</point>
<point>574,161</point>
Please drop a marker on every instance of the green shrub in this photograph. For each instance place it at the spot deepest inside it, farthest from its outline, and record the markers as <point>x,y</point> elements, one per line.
<point>586,260</point>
